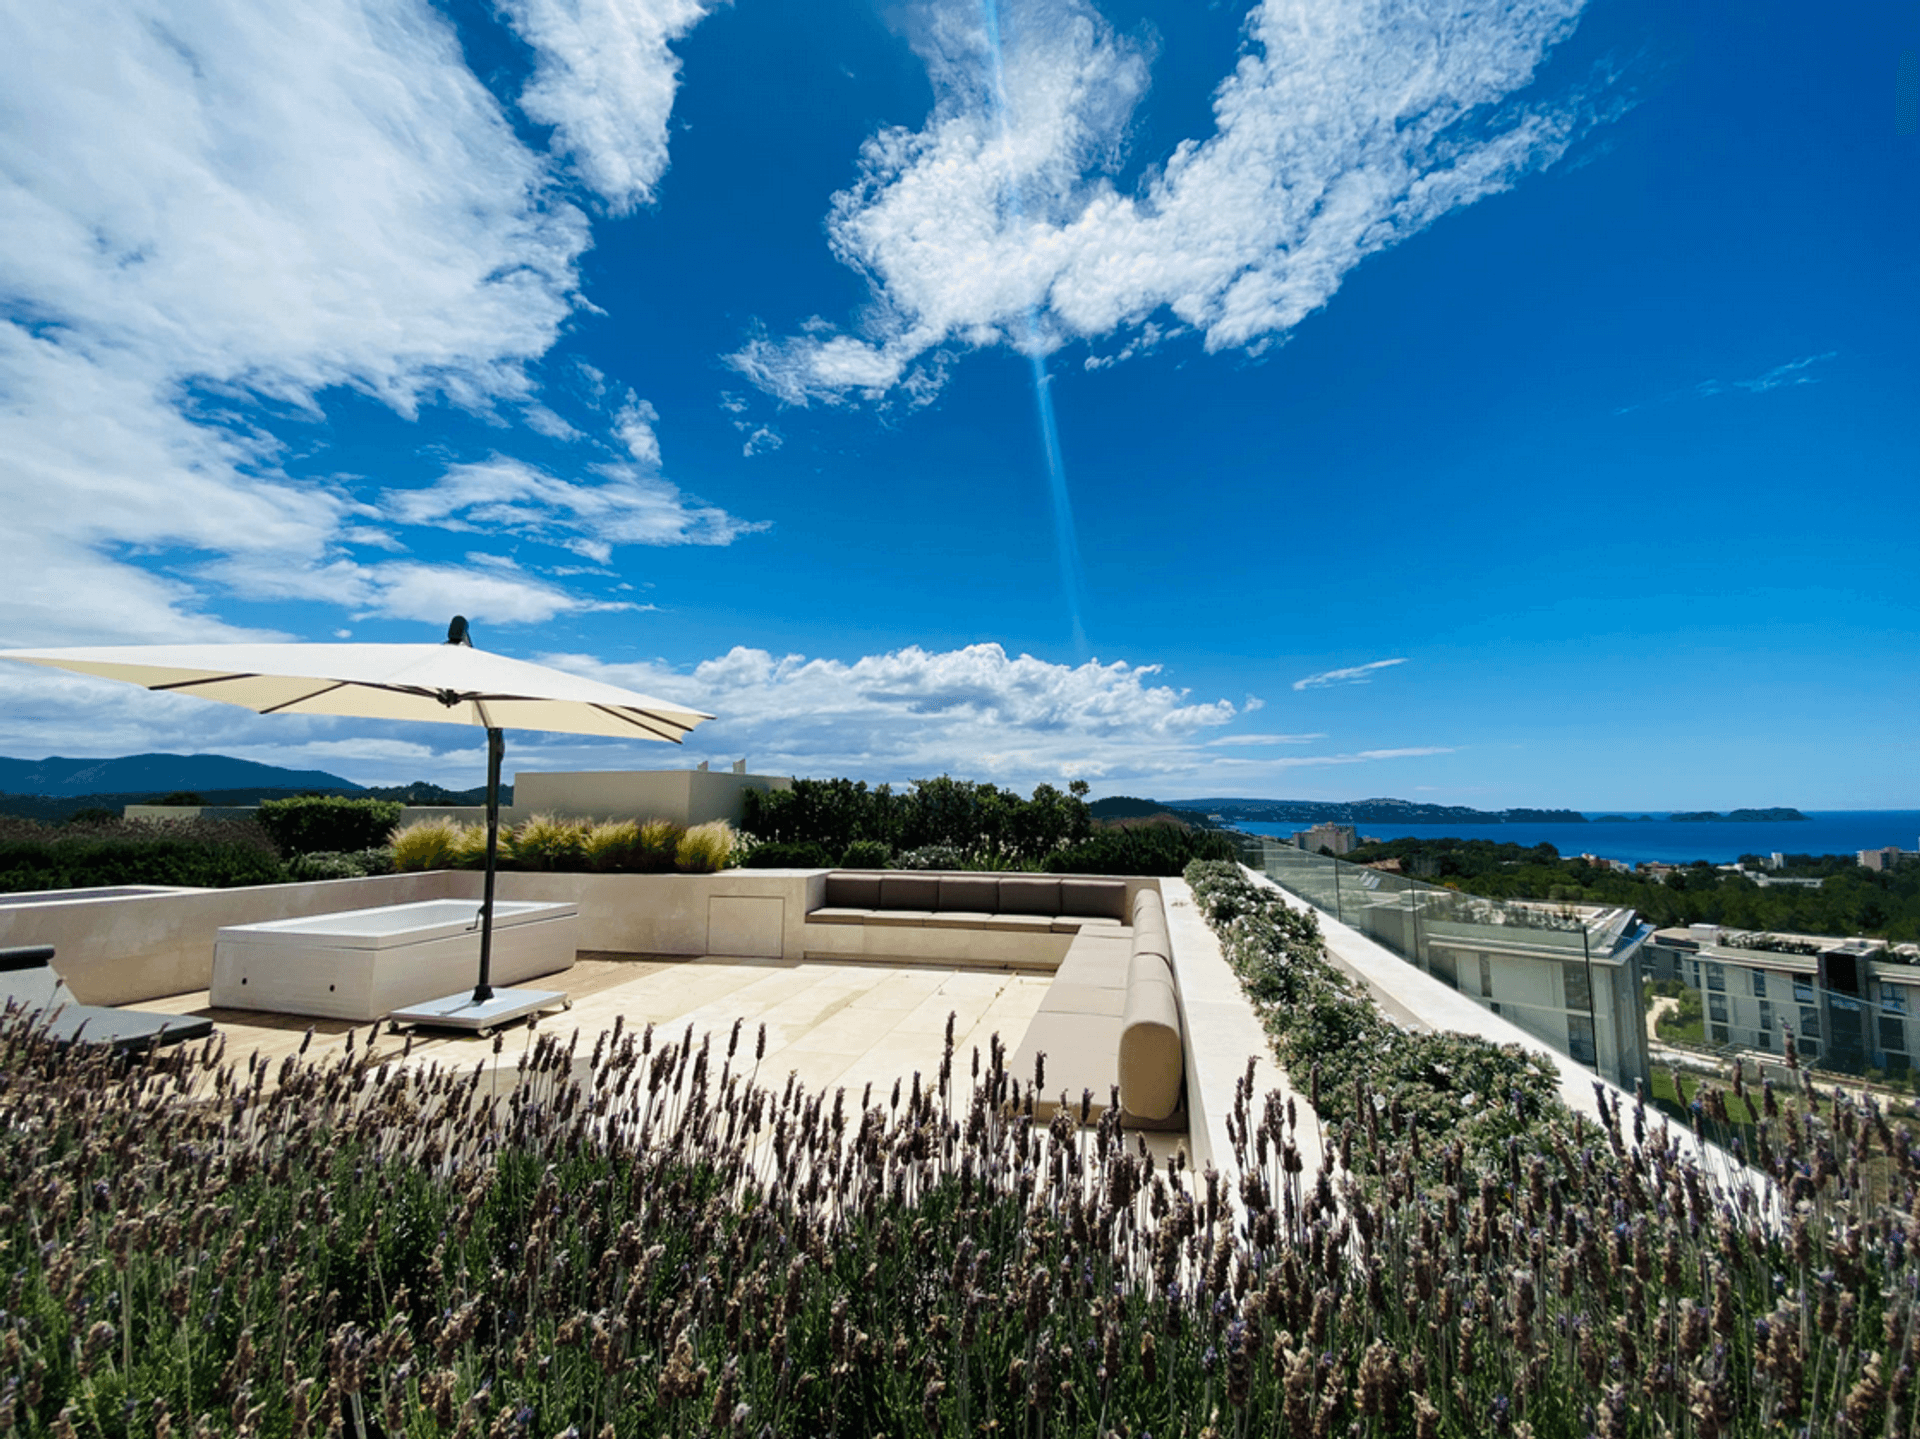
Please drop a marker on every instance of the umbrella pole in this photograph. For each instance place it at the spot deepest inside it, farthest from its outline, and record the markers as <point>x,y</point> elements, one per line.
<point>496,749</point>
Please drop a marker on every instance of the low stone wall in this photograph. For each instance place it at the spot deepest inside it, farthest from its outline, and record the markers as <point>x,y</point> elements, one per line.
<point>132,948</point>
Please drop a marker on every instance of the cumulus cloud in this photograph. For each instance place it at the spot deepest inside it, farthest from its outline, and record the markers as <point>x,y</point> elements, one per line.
<point>976,712</point>
<point>1345,127</point>
<point>1352,675</point>
<point>605,80</point>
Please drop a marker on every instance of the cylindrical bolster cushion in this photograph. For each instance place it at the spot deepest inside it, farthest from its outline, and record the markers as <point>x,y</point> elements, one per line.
<point>1152,938</point>
<point>1149,967</point>
<point>1147,905</point>
<point>1150,1060</point>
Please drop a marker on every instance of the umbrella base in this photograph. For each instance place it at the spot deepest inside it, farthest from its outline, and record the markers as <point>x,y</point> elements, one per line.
<point>460,1011</point>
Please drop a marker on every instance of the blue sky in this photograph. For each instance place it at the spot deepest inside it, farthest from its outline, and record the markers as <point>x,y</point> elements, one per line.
<point>1492,404</point>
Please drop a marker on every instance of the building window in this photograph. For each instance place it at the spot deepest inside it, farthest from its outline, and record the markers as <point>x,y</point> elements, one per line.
<point>1717,1008</point>
<point>1766,1015</point>
<point>1719,1034</point>
<point>1802,990</point>
<point>1893,999</point>
<point>1580,1038</point>
<point>1574,978</point>
<point>1716,976</point>
<point>1810,1023</point>
<point>1486,978</point>
<point>1893,1032</point>
<point>1760,983</point>
<point>1696,972</point>
<point>1763,1039</point>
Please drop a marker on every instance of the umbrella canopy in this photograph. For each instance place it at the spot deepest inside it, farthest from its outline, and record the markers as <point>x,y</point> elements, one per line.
<point>442,683</point>
<point>450,683</point>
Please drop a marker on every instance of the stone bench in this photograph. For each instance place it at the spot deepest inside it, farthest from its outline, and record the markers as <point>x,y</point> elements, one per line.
<point>1110,1022</point>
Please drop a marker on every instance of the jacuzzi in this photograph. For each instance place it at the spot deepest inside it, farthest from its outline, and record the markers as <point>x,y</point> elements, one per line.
<point>365,963</point>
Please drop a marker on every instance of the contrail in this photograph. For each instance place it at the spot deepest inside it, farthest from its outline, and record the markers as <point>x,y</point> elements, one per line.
<point>1066,543</point>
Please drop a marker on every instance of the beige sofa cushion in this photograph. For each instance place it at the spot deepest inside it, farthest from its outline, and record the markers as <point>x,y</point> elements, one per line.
<point>849,890</point>
<point>1082,1053</point>
<point>1150,1061</point>
<point>969,893</point>
<point>1029,894</point>
<point>909,891</point>
<point>1106,898</point>
<point>1095,959</point>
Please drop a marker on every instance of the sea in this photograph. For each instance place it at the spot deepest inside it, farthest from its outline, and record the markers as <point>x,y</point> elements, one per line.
<point>1662,839</point>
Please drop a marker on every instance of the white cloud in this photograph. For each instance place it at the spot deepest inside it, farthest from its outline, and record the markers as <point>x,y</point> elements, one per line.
<point>1352,675</point>
<point>1346,126</point>
<point>211,204</point>
<point>1234,740</point>
<point>762,441</point>
<point>623,506</point>
<point>1793,372</point>
<point>975,712</point>
<point>634,427</point>
<point>486,588</point>
<point>605,80</point>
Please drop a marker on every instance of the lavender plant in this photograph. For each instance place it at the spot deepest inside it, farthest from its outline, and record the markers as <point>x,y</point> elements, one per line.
<point>644,1232</point>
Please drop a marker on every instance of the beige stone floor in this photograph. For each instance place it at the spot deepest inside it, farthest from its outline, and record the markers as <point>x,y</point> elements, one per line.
<point>829,1024</point>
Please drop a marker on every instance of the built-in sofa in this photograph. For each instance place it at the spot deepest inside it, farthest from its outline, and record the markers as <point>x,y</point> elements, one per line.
<point>1110,1019</point>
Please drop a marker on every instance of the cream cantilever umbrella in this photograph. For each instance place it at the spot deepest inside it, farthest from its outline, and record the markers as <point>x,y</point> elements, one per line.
<point>450,683</point>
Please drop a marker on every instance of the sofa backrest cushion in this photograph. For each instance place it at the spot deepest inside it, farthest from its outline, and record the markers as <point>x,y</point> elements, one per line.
<point>1029,894</point>
<point>910,891</point>
<point>1093,898</point>
<point>853,891</point>
<point>975,893</point>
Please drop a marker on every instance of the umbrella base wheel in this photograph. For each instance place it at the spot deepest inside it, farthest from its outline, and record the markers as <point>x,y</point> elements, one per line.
<point>461,1012</point>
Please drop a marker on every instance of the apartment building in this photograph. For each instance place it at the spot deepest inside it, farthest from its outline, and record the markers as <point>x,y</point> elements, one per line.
<point>1852,1004</point>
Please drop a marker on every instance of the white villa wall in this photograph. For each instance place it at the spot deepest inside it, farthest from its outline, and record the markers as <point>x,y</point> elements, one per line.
<point>688,796</point>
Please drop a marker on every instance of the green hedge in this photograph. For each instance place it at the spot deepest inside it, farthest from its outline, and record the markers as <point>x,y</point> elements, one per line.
<point>1151,849</point>
<point>204,854</point>
<point>312,823</point>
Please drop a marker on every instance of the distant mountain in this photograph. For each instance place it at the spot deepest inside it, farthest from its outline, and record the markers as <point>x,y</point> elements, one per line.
<point>1373,811</point>
<point>1127,811</point>
<point>143,775</point>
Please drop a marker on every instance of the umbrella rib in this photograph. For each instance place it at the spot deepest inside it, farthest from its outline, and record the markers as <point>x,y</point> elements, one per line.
<point>653,725</point>
<point>302,699</point>
<point>194,684</point>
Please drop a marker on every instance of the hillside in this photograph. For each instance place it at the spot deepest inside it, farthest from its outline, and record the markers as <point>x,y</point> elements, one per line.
<point>142,775</point>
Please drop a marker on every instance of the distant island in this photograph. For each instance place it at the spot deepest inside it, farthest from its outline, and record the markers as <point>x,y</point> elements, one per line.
<point>1739,816</point>
<point>1371,811</point>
